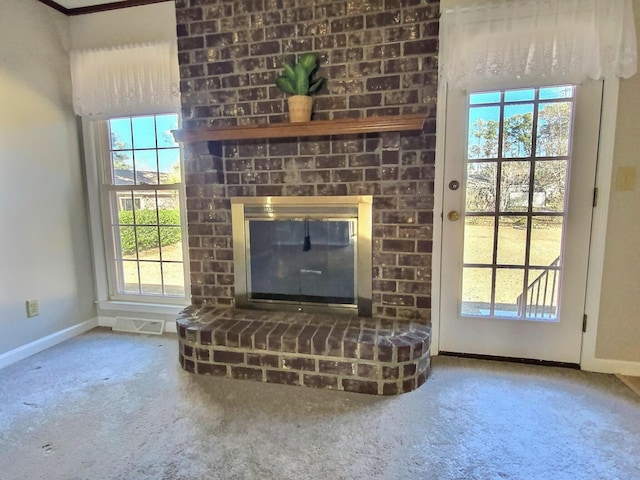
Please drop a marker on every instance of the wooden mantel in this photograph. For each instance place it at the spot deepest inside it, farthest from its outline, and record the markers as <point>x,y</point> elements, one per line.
<point>345,126</point>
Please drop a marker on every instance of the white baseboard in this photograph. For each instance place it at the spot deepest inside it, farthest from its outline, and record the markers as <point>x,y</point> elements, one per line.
<point>49,341</point>
<point>601,365</point>
<point>169,325</point>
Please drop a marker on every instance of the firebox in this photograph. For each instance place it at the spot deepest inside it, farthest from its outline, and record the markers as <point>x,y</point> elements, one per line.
<point>309,254</point>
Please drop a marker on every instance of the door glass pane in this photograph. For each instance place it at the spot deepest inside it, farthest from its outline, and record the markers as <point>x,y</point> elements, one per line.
<point>546,240</point>
<point>554,129</point>
<point>478,240</point>
<point>481,186</point>
<point>541,299</point>
<point>514,186</point>
<point>562,91</point>
<point>518,129</point>
<point>550,183</point>
<point>484,97</point>
<point>509,283</point>
<point>519,95</point>
<point>476,291</point>
<point>483,132</point>
<point>512,240</point>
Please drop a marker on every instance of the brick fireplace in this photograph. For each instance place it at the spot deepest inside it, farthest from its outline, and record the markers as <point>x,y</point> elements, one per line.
<point>380,59</point>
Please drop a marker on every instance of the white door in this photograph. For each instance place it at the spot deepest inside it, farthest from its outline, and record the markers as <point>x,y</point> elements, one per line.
<point>518,198</point>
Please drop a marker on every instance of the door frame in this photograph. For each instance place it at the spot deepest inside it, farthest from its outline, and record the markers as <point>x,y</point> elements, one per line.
<point>588,360</point>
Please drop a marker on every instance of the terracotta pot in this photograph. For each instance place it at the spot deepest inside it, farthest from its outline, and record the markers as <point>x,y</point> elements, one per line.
<point>300,108</point>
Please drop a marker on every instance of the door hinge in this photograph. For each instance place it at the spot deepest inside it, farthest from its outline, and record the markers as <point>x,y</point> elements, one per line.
<point>584,323</point>
<point>595,196</point>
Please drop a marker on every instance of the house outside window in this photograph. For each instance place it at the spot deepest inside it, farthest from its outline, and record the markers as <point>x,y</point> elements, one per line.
<point>142,198</point>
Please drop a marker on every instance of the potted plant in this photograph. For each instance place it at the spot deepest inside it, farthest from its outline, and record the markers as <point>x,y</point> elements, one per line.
<point>298,82</point>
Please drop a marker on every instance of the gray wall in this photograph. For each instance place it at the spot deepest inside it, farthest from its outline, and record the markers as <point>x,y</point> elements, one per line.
<point>44,245</point>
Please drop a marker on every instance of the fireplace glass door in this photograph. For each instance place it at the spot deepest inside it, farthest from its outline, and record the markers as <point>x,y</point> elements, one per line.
<point>302,261</point>
<point>307,254</point>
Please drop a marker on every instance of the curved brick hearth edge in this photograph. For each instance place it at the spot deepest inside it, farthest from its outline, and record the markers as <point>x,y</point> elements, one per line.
<point>339,352</point>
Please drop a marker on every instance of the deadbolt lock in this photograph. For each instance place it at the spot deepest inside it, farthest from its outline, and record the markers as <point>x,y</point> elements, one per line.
<point>453,216</point>
<point>454,185</point>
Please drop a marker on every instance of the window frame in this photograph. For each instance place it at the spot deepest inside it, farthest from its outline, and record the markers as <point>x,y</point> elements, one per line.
<point>101,207</point>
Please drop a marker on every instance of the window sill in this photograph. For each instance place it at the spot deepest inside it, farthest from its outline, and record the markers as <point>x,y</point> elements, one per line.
<point>138,307</point>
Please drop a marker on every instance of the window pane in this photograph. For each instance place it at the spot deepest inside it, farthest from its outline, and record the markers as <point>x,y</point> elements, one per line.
<point>514,186</point>
<point>481,187</point>
<point>131,283</point>
<point>169,213</point>
<point>150,278</point>
<point>554,129</point>
<point>146,167</point>
<point>484,123</point>
<point>169,165</point>
<point>512,240</point>
<point>478,240</point>
<point>476,291</point>
<point>144,132</point>
<point>120,133</point>
<point>518,126</point>
<point>164,125</point>
<point>122,163</point>
<point>171,243</point>
<point>127,245</point>
<point>148,243</point>
<point>173,275</point>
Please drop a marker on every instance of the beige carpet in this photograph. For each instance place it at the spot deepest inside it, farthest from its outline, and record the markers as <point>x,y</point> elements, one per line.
<point>117,406</point>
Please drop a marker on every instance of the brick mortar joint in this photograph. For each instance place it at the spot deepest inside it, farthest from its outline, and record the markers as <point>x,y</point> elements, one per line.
<point>292,355</point>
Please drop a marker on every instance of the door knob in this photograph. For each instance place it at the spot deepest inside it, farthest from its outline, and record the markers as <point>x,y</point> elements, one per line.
<point>453,216</point>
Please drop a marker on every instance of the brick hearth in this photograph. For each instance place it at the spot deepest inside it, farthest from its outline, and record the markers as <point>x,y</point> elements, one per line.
<point>374,356</point>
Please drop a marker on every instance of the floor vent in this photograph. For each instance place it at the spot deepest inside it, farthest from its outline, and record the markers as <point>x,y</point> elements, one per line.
<point>138,325</point>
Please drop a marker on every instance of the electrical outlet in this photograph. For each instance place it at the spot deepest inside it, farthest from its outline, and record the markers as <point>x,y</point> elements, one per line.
<point>33,308</point>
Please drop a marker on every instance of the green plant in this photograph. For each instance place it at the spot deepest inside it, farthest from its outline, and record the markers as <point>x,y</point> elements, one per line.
<point>145,230</point>
<point>298,79</point>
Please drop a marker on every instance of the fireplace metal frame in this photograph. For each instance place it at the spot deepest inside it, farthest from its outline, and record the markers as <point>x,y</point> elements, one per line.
<point>312,207</point>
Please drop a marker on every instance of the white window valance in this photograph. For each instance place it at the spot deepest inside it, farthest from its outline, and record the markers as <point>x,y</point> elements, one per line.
<point>126,80</point>
<point>506,43</point>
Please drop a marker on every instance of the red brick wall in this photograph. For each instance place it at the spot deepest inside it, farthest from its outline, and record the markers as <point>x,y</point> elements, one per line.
<point>380,58</point>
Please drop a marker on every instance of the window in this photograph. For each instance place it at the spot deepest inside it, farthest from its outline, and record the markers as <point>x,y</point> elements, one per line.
<point>142,198</point>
